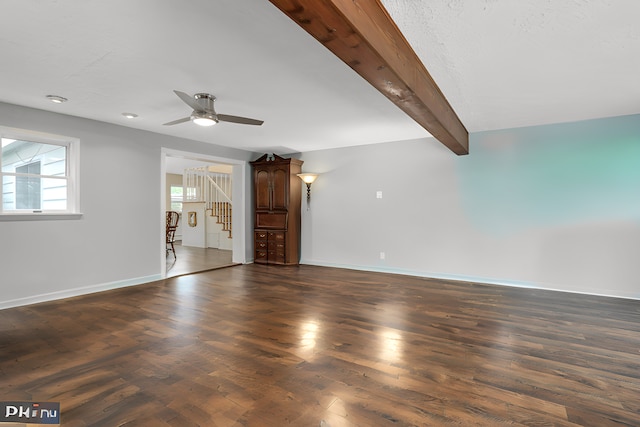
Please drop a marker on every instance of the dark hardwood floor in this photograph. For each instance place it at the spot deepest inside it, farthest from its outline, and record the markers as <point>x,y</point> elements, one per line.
<point>194,260</point>
<point>257,345</point>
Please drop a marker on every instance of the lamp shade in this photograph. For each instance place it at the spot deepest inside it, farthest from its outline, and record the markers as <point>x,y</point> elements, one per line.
<point>308,177</point>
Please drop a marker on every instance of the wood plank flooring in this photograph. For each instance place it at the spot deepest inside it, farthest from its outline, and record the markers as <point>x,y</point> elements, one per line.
<point>257,345</point>
<point>194,260</point>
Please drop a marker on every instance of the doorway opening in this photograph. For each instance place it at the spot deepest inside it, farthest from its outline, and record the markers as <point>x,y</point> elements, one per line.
<point>208,193</point>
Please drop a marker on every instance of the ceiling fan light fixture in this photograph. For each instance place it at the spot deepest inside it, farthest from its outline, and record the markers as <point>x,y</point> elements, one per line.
<point>203,119</point>
<point>203,113</point>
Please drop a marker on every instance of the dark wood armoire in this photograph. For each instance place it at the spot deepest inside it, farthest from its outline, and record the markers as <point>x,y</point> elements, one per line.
<point>277,198</point>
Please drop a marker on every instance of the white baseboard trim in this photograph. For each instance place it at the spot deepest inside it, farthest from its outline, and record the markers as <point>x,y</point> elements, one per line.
<point>461,278</point>
<point>68,293</point>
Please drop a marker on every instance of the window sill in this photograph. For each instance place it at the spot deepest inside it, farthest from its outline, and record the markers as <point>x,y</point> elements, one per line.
<point>38,216</point>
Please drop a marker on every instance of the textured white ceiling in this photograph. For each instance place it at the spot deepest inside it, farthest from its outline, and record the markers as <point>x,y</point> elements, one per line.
<point>513,63</point>
<point>501,64</point>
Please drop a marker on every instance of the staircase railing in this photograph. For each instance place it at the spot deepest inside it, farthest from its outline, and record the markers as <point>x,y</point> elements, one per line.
<point>212,188</point>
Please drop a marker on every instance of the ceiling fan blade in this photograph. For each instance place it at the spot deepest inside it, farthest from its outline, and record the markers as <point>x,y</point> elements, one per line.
<point>175,122</point>
<point>189,100</point>
<point>241,120</point>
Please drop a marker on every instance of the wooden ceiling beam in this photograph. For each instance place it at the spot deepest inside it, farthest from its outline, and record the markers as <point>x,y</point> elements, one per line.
<point>362,34</point>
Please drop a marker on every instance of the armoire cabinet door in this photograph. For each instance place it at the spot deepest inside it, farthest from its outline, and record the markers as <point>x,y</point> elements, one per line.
<point>263,189</point>
<point>280,189</point>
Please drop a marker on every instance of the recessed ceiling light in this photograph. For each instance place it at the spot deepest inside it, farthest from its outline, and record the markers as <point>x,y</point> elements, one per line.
<point>130,115</point>
<point>56,99</point>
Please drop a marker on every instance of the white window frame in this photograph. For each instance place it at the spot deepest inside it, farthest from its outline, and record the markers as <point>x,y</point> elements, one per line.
<point>72,173</point>
<point>175,200</point>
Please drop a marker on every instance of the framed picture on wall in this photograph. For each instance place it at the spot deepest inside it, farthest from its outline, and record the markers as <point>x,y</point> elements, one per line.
<point>192,219</point>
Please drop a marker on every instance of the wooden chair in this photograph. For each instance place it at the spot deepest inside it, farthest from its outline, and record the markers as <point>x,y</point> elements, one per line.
<point>172,226</point>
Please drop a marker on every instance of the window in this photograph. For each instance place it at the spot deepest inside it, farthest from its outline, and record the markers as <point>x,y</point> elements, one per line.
<point>177,196</point>
<point>38,173</point>
<point>28,188</point>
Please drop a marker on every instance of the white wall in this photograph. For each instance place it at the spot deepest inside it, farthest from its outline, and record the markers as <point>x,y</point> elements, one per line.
<point>194,236</point>
<point>116,242</point>
<point>554,207</point>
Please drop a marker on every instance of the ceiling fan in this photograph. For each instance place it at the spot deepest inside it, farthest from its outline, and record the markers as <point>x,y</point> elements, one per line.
<point>204,114</point>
